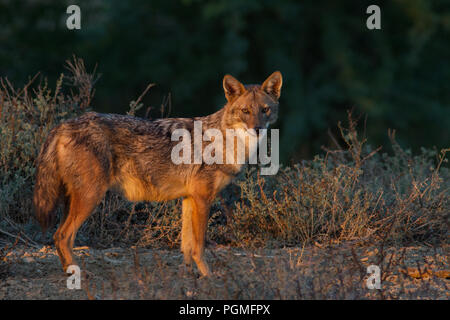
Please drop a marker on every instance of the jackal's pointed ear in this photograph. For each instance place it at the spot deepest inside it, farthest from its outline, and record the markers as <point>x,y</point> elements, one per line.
<point>232,87</point>
<point>272,85</point>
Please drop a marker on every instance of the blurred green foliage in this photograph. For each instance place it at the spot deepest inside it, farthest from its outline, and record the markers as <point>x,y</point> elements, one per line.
<point>398,76</point>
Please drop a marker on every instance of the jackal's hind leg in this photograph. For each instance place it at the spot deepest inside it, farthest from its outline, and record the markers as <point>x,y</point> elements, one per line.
<point>80,208</point>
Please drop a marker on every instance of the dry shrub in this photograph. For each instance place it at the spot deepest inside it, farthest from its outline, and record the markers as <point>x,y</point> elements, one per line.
<point>26,117</point>
<point>351,194</point>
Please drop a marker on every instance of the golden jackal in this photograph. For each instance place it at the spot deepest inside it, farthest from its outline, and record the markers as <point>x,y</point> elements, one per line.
<point>84,157</point>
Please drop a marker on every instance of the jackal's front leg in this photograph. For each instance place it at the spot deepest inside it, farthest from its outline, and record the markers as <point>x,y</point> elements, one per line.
<point>200,215</point>
<point>187,236</point>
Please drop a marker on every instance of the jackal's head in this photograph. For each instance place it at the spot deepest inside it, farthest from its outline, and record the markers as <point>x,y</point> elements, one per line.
<point>252,106</point>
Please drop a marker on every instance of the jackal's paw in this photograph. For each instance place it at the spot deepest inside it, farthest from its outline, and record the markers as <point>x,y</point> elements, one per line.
<point>204,271</point>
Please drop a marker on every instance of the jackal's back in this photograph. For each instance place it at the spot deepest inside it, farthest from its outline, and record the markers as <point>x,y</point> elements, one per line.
<point>123,152</point>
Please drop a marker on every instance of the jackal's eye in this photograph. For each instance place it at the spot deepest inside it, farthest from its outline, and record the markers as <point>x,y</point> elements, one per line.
<point>265,109</point>
<point>245,110</point>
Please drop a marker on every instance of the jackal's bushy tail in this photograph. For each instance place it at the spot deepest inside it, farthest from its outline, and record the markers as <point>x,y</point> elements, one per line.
<point>48,184</point>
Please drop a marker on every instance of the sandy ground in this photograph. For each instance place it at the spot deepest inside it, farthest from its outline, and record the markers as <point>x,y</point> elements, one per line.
<point>289,273</point>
